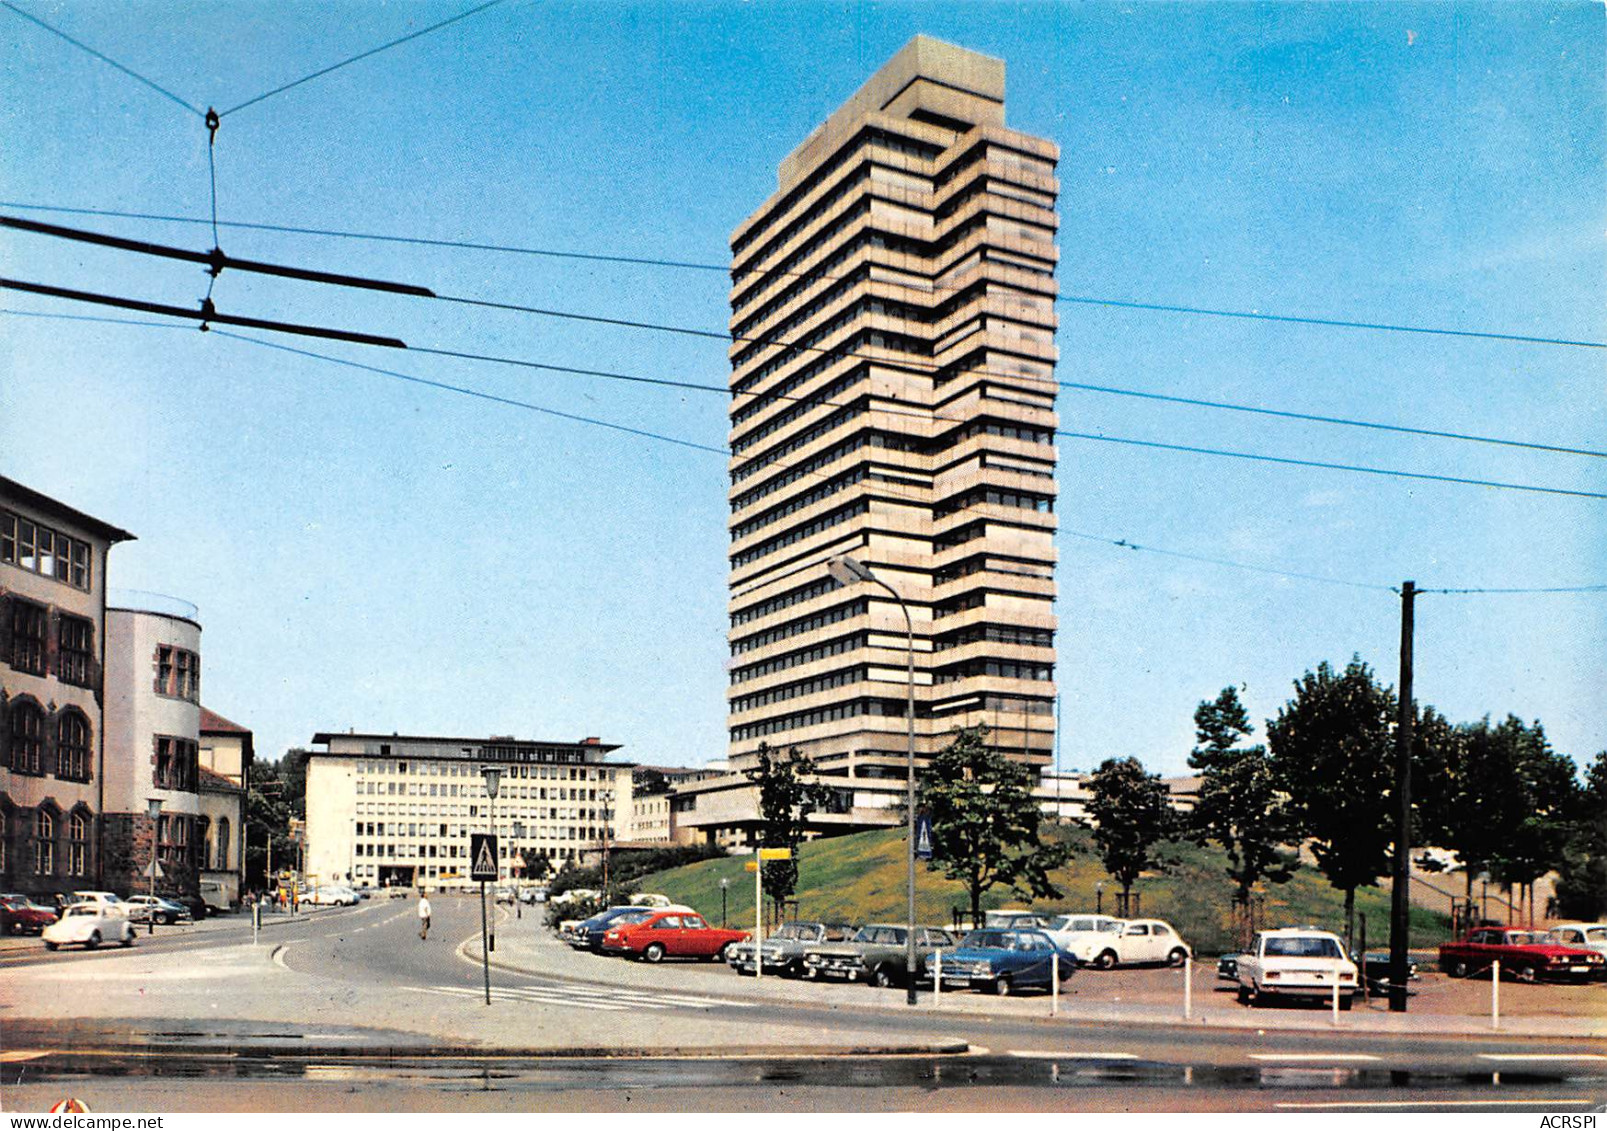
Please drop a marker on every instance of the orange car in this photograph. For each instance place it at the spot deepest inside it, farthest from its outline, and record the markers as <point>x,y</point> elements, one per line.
<point>671,934</point>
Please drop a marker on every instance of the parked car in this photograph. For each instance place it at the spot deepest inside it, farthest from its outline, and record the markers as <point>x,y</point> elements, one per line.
<point>1296,962</point>
<point>20,915</point>
<point>399,891</point>
<point>91,924</point>
<point>1525,956</point>
<point>1135,942</point>
<point>506,895</point>
<point>1375,969</point>
<point>876,954</point>
<point>1588,936</point>
<point>590,935</point>
<point>143,908</point>
<point>1002,960</point>
<point>671,934</point>
<point>199,907</point>
<point>1227,967</point>
<point>532,895</point>
<point>1016,917</point>
<point>783,952</point>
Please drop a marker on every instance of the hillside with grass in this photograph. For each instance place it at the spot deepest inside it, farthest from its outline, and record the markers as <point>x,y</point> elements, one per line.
<point>861,879</point>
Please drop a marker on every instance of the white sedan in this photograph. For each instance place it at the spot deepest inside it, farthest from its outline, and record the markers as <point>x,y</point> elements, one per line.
<point>332,895</point>
<point>90,924</point>
<point>1136,942</point>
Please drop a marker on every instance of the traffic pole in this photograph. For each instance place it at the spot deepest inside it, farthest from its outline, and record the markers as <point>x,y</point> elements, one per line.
<point>758,914</point>
<point>485,952</point>
<point>1399,906</point>
<point>1188,988</point>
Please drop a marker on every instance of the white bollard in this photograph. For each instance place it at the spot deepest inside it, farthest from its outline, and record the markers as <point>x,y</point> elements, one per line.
<point>1188,988</point>
<point>1054,984</point>
<point>1336,998</point>
<point>937,978</point>
<point>1495,995</point>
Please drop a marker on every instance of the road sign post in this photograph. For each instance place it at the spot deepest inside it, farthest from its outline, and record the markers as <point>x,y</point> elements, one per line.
<point>483,867</point>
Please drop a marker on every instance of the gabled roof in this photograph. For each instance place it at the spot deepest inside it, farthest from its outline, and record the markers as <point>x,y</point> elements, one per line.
<point>213,722</point>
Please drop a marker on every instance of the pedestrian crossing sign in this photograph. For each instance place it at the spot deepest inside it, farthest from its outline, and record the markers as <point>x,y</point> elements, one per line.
<point>483,857</point>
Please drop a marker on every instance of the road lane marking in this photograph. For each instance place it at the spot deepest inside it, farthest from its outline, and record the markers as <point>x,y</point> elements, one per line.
<point>1036,1054</point>
<point>12,1056</point>
<point>1535,1102</point>
<point>1313,1057</point>
<point>1541,1056</point>
<point>505,995</point>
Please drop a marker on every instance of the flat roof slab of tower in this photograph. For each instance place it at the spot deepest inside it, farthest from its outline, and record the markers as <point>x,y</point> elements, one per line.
<point>52,662</point>
<point>893,399</point>
<point>386,809</point>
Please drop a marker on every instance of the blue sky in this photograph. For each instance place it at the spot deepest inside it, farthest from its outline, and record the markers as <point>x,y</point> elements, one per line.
<point>374,554</point>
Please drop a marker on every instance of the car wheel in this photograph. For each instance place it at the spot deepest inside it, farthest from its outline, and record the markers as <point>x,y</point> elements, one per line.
<point>1459,969</point>
<point>128,939</point>
<point>1001,987</point>
<point>93,940</point>
<point>1246,995</point>
<point>721,955</point>
<point>1525,974</point>
<point>1177,957</point>
<point>50,945</point>
<point>654,952</point>
<point>881,976</point>
<point>1344,1003</point>
<point>811,974</point>
<point>1106,961</point>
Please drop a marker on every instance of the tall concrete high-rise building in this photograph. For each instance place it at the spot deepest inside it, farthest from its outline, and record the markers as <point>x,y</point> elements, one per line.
<point>893,399</point>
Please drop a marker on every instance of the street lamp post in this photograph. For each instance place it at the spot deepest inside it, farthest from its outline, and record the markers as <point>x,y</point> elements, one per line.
<point>607,798</point>
<point>723,885</point>
<point>153,806</point>
<point>845,571</point>
<point>493,779</point>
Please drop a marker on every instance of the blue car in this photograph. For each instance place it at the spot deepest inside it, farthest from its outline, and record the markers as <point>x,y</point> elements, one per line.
<point>1002,960</point>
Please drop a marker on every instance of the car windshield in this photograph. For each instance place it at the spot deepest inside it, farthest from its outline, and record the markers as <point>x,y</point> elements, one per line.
<point>1302,946</point>
<point>1596,934</point>
<point>982,940</point>
<point>80,911</point>
<point>796,931</point>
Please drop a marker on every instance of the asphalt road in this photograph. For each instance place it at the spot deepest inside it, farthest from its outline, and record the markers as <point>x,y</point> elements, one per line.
<point>361,979</point>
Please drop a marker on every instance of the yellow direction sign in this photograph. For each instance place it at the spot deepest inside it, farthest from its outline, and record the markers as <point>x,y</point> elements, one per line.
<point>775,854</point>
<point>751,865</point>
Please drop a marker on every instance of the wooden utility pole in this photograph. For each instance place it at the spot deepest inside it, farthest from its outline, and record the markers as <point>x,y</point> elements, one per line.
<point>1399,904</point>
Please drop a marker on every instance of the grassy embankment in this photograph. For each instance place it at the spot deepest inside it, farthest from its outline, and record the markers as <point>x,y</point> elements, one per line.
<point>861,879</point>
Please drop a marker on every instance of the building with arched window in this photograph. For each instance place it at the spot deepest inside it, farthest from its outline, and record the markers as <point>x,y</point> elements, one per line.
<point>52,659</point>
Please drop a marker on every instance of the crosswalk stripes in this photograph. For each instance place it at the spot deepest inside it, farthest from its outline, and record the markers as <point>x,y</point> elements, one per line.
<point>582,997</point>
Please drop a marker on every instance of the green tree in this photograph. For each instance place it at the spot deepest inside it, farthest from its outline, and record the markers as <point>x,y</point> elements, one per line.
<point>1332,751</point>
<point>1240,806</point>
<point>1132,813</point>
<point>1582,872</point>
<point>985,823</point>
<point>268,813</point>
<point>788,794</point>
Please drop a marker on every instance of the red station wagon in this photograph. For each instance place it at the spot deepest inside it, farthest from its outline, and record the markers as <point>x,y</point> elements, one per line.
<point>671,934</point>
<point>1523,957</point>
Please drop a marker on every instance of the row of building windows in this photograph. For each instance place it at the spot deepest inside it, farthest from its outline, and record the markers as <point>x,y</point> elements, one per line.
<point>28,643</point>
<point>458,832</point>
<point>37,848</point>
<point>1004,669</point>
<point>854,708</point>
<point>977,496</point>
<point>800,502</point>
<point>38,745</point>
<point>37,548</point>
<point>475,789</point>
<point>798,534</point>
<point>996,633</point>
<point>783,601</point>
<point>443,769</point>
<point>807,624</point>
<point>786,691</point>
<point>804,656</point>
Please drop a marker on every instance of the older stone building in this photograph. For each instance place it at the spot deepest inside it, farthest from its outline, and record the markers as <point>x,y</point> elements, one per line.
<point>52,659</point>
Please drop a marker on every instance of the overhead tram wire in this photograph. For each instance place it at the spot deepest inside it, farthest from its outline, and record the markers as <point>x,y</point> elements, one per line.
<point>1355,468</point>
<point>724,269</point>
<point>1121,543</point>
<point>356,58</point>
<point>206,315</point>
<point>108,60</point>
<point>218,261</point>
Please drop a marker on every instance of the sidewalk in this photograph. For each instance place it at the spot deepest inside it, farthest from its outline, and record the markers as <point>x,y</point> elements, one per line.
<point>1148,997</point>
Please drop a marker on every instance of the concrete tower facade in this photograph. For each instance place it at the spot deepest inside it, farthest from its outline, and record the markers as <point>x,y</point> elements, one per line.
<point>893,399</point>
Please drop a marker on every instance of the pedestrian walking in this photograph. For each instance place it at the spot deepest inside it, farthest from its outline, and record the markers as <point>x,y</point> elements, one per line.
<point>423,915</point>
